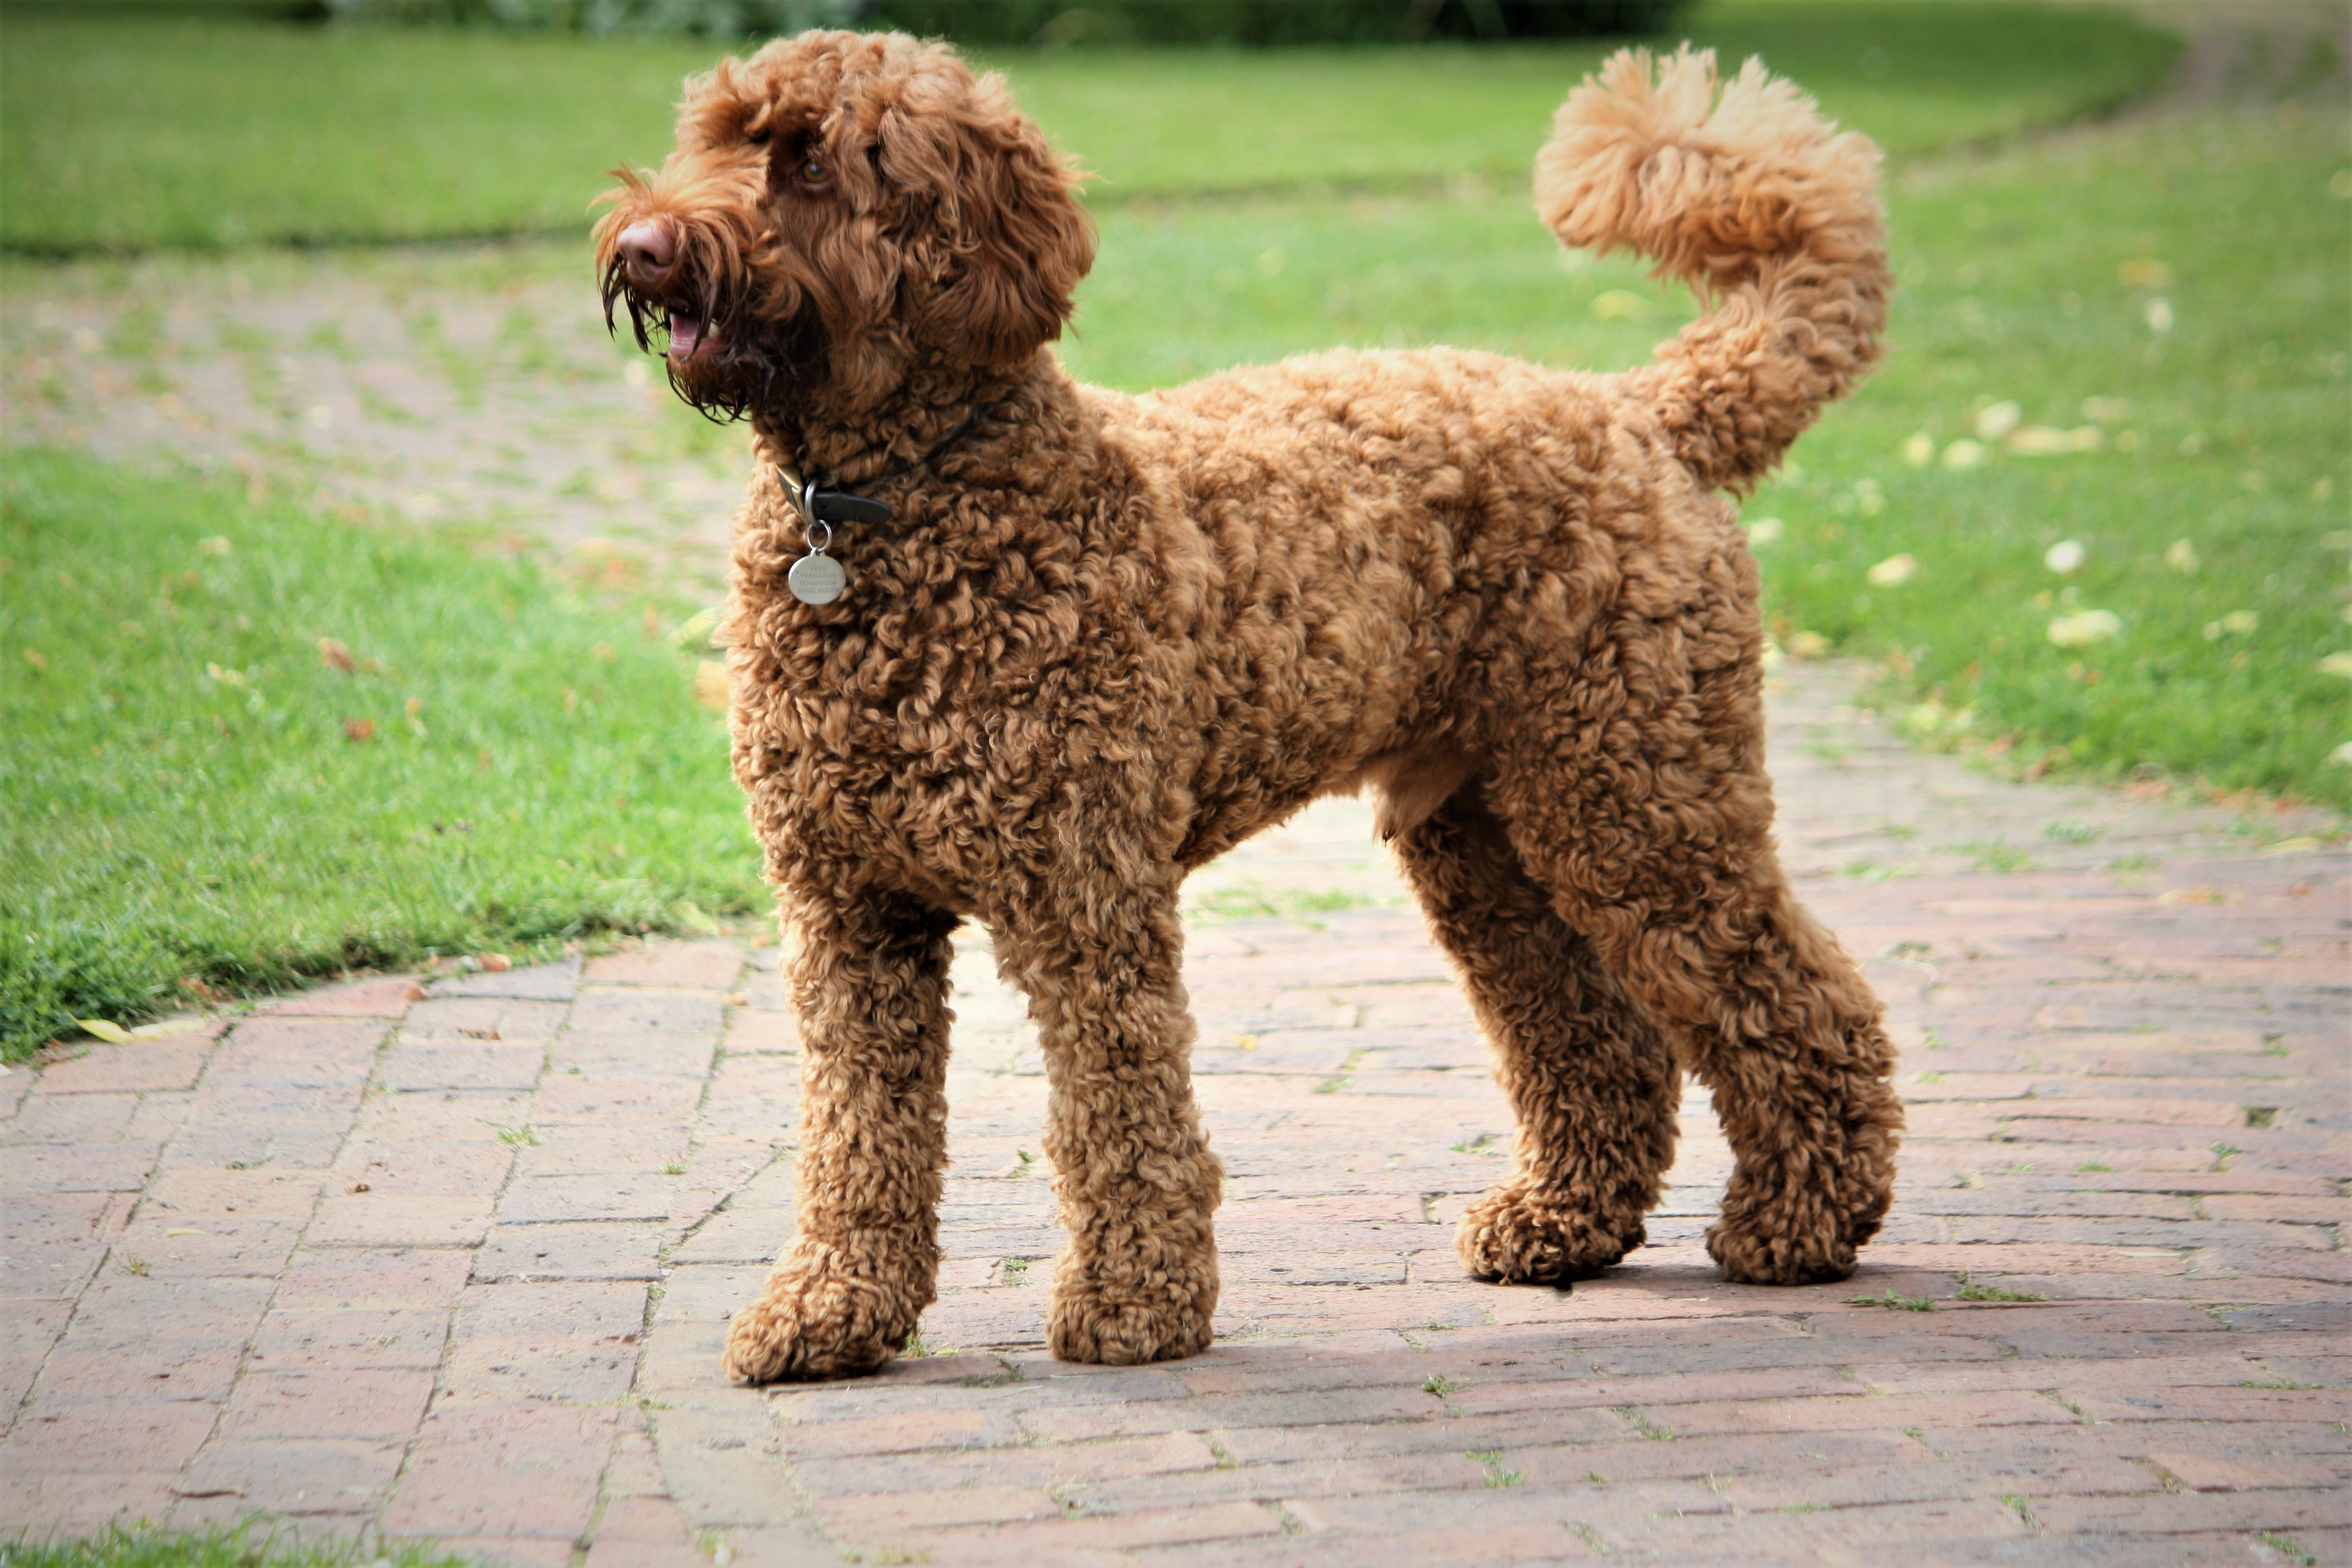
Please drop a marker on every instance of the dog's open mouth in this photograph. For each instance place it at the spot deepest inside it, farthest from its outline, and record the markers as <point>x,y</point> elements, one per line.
<point>691,335</point>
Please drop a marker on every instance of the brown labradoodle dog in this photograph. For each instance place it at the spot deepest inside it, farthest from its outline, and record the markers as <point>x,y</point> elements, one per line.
<point>1089,642</point>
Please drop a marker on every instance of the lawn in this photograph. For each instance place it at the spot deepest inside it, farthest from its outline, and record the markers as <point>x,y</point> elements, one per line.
<point>250,745</point>
<point>131,132</point>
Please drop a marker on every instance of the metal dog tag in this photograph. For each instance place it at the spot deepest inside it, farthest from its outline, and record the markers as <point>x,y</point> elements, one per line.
<point>817,579</point>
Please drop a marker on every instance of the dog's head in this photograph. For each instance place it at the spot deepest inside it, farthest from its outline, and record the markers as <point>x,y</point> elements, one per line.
<point>842,210</point>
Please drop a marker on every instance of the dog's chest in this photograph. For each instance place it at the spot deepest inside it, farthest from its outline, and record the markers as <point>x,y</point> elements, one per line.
<point>927,736</point>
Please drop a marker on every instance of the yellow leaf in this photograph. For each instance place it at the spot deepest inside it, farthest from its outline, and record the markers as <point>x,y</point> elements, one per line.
<point>1619,305</point>
<point>1998,419</point>
<point>1894,571</point>
<point>696,628</point>
<point>181,1230</point>
<point>99,1028</point>
<point>2085,628</point>
<point>334,654</point>
<point>2048,441</point>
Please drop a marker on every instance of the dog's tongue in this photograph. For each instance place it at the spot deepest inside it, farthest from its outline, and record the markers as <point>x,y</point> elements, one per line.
<point>685,335</point>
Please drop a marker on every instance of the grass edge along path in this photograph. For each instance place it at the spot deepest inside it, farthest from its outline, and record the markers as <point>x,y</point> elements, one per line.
<point>253,1545</point>
<point>262,746</point>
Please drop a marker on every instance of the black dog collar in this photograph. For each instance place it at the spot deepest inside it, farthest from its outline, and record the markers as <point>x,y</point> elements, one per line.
<point>817,578</point>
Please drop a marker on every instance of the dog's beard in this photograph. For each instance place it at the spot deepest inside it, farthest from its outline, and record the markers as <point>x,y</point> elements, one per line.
<point>720,360</point>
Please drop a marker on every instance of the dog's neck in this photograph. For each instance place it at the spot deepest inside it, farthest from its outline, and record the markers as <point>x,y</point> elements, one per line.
<point>850,446</point>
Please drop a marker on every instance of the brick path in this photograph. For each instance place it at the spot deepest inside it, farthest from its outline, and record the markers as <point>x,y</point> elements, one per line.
<point>454,1259</point>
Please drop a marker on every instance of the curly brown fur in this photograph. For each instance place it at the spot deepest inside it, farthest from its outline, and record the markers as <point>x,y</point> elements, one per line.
<point>1104,638</point>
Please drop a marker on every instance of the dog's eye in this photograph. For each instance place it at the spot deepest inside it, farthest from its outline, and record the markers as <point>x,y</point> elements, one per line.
<point>814,170</point>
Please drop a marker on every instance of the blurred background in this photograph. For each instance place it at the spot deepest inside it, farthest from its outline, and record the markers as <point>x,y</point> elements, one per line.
<point>355,587</point>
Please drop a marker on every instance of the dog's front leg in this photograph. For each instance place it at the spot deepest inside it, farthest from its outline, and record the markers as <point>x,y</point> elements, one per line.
<point>1132,1171</point>
<point>869,981</point>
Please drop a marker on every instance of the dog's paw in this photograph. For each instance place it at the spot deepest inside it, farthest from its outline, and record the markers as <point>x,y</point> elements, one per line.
<point>1165,1319</point>
<point>1523,1236</point>
<point>805,1327</point>
<point>1748,1257</point>
<point>1802,1231</point>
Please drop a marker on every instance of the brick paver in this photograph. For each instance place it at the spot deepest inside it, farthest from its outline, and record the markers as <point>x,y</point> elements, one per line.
<point>453,1259</point>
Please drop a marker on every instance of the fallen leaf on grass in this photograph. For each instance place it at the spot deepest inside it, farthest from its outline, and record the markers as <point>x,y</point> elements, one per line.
<point>33,657</point>
<point>1894,571</point>
<point>2181,556</point>
<point>1921,450</point>
<point>2337,664</point>
<point>2064,556</point>
<point>695,631</point>
<point>2144,272</point>
<point>1963,454</point>
<point>1619,305</point>
<point>216,545</point>
<point>2048,441</point>
<point>1998,419</point>
<point>2085,628</point>
<point>99,1028</point>
<point>496,963</point>
<point>334,654</point>
<point>359,730</point>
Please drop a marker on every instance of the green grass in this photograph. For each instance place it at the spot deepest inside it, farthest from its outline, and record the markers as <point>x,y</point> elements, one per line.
<point>128,132</point>
<point>182,804</point>
<point>2016,288</point>
<point>2029,281</point>
<point>118,1548</point>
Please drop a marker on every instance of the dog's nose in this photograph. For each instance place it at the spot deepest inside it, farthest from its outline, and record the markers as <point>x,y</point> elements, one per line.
<point>647,248</point>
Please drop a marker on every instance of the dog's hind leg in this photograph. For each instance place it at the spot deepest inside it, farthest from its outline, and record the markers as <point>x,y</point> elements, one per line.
<point>1133,1176</point>
<point>1642,805</point>
<point>869,982</point>
<point>1593,1084</point>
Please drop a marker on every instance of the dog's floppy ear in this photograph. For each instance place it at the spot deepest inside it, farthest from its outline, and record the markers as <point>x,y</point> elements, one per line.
<point>1006,240</point>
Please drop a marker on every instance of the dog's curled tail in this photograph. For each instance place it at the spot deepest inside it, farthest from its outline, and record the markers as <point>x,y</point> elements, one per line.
<point>1743,192</point>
